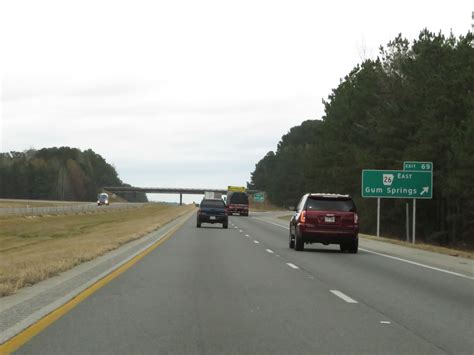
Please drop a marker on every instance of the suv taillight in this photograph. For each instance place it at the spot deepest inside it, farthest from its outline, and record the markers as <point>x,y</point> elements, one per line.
<point>303,217</point>
<point>356,218</point>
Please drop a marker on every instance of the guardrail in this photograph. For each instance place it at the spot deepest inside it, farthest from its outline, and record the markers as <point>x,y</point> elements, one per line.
<point>66,209</point>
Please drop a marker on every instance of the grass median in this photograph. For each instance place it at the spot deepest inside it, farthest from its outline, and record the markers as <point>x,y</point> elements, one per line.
<point>36,248</point>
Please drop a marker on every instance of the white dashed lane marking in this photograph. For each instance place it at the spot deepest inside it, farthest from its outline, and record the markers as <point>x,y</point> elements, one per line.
<point>256,242</point>
<point>269,251</point>
<point>240,230</point>
<point>343,296</point>
<point>389,256</point>
<point>293,266</point>
<point>275,224</point>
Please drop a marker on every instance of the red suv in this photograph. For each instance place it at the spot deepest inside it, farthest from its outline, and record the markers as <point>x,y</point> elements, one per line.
<point>327,219</point>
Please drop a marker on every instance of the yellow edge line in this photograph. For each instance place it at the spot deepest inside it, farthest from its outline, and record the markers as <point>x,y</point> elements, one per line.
<point>21,338</point>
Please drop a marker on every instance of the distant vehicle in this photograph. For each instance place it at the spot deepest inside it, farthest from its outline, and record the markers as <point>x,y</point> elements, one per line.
<point>326,219</point>
<point>238,202</point>
<point>212,211</point>
<point>103,199</point>
<point>212,194</point>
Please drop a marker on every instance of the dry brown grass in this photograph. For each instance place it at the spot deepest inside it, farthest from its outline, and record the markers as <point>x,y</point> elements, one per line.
<point>36,248</point>
<point>262,206</point>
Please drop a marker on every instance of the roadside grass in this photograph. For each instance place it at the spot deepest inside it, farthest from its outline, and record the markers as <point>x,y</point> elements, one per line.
<point>36,248</point>
<point>434,248</point>
<point>469,254</point>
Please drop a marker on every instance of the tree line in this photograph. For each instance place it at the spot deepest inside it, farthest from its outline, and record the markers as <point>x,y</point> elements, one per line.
<point>414,102</point>
<point>57,174</point>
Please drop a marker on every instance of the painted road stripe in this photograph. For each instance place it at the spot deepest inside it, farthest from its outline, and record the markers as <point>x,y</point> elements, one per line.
<point>418,264</point>
<point>275,224</point>
<point>240,230</point>
<point>256,242</point>
<point>21,338</point>
<point>293,266</point>
<point>385,322</point>
<point>269,251</point>
<point>248,236</point>
<point>391,257</point>
<point>343,296</point>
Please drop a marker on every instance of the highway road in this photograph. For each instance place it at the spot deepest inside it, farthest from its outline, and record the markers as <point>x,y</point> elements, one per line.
<point>243,291</point>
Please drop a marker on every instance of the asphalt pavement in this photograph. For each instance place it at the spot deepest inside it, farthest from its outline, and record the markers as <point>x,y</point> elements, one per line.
<point>243,291</point>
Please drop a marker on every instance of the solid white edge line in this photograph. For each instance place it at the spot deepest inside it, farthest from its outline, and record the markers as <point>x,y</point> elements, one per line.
<point>391,257</point>
<point>343,296</point>
<point>418,264</point>
<point>269,251</point>
<point>275,224</point>
<point>293,266</point>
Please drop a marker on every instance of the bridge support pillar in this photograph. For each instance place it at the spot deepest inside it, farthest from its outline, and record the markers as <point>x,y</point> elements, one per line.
<point>180,199</point>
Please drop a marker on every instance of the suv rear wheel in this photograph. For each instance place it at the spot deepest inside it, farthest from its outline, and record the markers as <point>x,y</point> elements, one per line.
<point>299,243</point>
<point>291,241</point>
<point>353,246</point>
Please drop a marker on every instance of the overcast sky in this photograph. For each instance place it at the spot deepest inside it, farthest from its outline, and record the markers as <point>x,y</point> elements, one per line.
<point>187,93</point>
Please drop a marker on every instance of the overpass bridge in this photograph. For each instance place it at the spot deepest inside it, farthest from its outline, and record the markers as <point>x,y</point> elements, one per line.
<point>167,190</point>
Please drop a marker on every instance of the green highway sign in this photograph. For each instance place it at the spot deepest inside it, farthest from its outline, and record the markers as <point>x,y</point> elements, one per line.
<point>397,184</point>
<point>259,197</point>
<point>418,165</point>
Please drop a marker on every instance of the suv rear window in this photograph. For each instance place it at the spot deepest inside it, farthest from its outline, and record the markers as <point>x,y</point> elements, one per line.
<point>315,204</point>
<point>213,204</point>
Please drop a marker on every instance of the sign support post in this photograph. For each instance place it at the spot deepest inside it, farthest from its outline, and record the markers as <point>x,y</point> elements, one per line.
<point>414,220</point>
<point>408,221</point>
<point>378,217</point>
